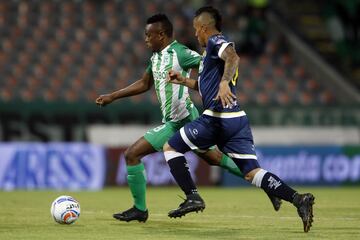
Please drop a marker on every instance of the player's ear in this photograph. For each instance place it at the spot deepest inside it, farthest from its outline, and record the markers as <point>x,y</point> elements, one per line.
<point>203,28</point>
<point>161,35</point>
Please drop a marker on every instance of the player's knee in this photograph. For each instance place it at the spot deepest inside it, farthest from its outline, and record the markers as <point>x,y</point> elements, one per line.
<point>131,157</point>
<point>211,162</point>
<point>167,147</point>
<point>250,175</point>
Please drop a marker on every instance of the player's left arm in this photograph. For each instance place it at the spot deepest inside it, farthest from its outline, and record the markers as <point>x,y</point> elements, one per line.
<point>231,60</point>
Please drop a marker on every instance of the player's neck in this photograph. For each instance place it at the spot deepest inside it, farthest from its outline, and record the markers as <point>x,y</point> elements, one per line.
<point>212,33</point>
<point>167,42</point>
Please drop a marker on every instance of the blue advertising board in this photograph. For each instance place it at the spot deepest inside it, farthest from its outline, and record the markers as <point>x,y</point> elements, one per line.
<point>306,165</point>
<point>71,166</point>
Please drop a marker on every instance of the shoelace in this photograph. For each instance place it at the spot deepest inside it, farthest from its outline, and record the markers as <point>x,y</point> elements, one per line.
<point>181,204</point>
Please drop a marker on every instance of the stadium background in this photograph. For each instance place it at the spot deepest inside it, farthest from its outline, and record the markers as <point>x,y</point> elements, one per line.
<point>299,84</point>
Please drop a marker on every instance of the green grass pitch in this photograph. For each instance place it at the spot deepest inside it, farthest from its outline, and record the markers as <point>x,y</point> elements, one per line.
<point>231,213</point>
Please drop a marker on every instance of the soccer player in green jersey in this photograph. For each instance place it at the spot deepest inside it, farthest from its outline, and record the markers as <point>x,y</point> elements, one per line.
<point>176,107</point>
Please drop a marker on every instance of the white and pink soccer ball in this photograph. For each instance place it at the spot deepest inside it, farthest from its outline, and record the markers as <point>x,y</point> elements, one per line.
<point>65,210</point>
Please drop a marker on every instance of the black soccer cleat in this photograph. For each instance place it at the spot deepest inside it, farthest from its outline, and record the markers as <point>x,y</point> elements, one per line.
<point>132,214</point>
<point>304,204</point>
<point>193,203</point>
<point>276,202</point>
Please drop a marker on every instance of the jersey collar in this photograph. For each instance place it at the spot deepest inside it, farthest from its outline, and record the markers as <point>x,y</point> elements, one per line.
<point>167,47</point>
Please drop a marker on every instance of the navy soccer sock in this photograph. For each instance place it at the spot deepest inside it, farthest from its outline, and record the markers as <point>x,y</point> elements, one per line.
<point>180,171</point>
<point>273,185</point>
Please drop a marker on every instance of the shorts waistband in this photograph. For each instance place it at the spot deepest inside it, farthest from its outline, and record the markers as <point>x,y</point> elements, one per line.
<point>224,114</point>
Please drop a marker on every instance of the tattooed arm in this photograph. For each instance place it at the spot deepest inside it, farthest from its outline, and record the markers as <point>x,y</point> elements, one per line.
<point>231,64</point>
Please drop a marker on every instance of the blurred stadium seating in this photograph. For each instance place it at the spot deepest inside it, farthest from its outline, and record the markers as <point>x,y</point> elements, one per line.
<point>332,27</point>
<point>74,50</point>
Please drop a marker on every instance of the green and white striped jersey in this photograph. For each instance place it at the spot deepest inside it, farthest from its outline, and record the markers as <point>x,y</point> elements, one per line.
<point>174,99</point>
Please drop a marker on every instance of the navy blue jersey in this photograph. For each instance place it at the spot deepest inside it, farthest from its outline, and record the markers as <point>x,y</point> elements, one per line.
<point>211,70</point>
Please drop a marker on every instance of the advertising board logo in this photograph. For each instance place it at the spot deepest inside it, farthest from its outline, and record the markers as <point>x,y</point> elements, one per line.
<point>59,166</point>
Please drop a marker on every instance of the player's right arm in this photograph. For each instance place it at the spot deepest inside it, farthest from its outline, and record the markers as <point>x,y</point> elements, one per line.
<point>188,59</point>
<point>138,87</point>
<point>176,78</point>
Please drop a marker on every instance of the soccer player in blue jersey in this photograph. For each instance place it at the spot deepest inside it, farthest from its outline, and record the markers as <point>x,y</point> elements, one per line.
<point>223,123</point>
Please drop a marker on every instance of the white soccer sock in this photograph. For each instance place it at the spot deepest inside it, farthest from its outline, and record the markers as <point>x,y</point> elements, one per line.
<point>258,177</point>
<point>172,154</point>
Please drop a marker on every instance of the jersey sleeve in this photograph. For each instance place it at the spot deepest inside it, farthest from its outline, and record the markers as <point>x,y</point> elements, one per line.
<point>188,58</point>
<point>219,44</point>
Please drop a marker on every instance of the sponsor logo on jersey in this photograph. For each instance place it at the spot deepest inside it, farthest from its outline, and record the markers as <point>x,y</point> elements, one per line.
<point>160,74</point>
<point>166,59</point>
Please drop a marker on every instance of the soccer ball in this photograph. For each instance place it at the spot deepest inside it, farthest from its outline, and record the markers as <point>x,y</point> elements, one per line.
<point>65,210</point>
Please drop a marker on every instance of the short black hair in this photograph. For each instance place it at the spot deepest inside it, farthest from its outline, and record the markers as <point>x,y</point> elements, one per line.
<point>165,23</point>
<point>213,12</point>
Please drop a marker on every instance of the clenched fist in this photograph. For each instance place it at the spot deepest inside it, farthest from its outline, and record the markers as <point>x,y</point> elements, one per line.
<point>103,100</point>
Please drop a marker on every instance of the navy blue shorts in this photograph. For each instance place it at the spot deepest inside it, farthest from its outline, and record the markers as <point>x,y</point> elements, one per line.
<point>232,136</point>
